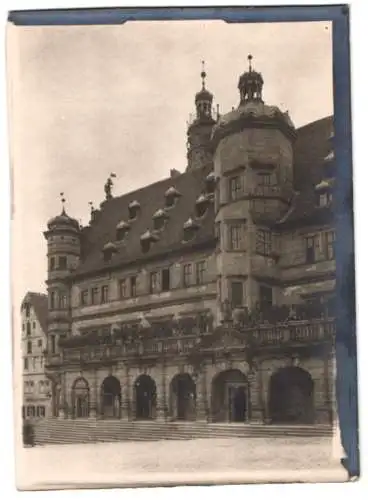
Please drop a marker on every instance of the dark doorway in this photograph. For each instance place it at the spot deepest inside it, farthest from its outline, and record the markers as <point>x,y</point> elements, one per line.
<point>291,396</point>
<point>183,397</point>
<point>111,397</point>
<point>145,397</point>
<point>229,397</point>
<point>238,405</point>
<point>80,397</point>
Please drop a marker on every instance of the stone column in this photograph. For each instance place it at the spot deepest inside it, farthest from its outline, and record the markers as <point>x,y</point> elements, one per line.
<point>321,411</point>
<point>265,375</point>
<point>93,406</point>
<point>202,413</point>
<point>161,404</point>
<point>255,405</point>
<point>128,402</point>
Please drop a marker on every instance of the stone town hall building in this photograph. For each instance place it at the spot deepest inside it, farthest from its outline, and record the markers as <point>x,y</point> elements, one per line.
<point>207,295</point>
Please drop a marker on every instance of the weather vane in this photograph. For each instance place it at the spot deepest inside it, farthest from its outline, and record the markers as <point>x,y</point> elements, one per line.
<point>63,200</point>
<point>203,74</point>
<point>250,57</point>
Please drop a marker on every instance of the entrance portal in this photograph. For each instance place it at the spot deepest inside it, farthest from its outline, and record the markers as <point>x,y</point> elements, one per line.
<point>111,397</point>
<point>145,398</point>
<point>183,397</point>
<point>291,396</point>
<point>229,397</point>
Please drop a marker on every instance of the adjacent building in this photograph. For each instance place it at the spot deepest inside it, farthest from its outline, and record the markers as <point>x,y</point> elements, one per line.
<point>36,386</point>
<point>208,295</point>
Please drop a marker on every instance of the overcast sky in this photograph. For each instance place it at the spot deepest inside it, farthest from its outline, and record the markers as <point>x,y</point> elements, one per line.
<point>87,101</point>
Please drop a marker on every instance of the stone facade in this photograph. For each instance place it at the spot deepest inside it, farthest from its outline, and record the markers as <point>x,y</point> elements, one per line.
<point>206,296</point>
<point>36,385</point>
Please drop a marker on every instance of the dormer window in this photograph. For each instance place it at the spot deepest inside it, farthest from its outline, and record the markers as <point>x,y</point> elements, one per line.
<point>159,219</point>
<point>190,229</point>
<point>134,208</point>
<point>211,183</point>
<point>122,230</point>
<point>171,195</point>
<point>324,194</point>
<point>201,205</point>
<point>330,156</point>
<point>147,239</point>
<point>108,251</point>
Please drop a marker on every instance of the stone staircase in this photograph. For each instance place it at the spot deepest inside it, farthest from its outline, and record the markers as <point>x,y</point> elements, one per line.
<point>60,431</point>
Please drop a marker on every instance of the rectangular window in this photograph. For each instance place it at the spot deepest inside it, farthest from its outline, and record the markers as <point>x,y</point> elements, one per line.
<point>264,242</point>
<point>84,297</point>
<point>154,283</point>
<point>264,179</point>
<point>133,286</point>
<point>34,364</point>
<point>52,263</point>
<point>312,246</point>
<point>236,236</point>
<point>62,262</point>
<point>28,329</point>
<point>165,279</point>
<point>39,343</point>
<point>52,300</point>
<point>104,294</point>
<point>330,245</point>
<point>235,187</point>
<point>265,296</point>
<point>25,363</point>
<point>200,272</point>
<point>41,362</point>
<point>29,347</point>
<point>62,301</point>
<point>94,296</point>
<point>123,289</point>
<point>187,274</point>
<point>34,325</point>
<point>237,293</point>
<point>41,411</point>
<point>53,344</point>
<point>28,310</point>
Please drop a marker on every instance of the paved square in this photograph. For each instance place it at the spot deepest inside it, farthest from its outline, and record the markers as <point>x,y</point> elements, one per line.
<point>195,461</point>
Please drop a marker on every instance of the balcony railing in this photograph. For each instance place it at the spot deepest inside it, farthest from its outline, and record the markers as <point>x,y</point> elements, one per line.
<point>292,333</point>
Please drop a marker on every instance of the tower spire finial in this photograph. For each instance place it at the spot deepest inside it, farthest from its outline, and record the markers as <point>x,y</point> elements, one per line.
<point>63,200</point>
<point>250,58</point>
<point>203,75</point>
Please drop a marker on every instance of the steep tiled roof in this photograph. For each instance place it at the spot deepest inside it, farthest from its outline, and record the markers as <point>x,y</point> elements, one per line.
<point>39,302</point>
<point>151,199</point>
<point>312,145</point>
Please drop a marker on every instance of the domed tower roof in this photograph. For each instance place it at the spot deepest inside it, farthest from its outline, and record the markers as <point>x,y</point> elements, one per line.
<point>252,110</point>
<point>203,100</point>
<point>250,84</point>
<point>63,220</point>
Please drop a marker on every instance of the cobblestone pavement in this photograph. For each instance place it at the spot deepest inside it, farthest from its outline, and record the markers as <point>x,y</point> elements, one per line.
<point>195,461</point>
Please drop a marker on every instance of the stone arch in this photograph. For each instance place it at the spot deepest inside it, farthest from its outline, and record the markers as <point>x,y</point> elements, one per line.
<point>291,391</point>
<point>145,393</point>
<point>230,398</point>
<point>80,398</point>
<point>183,395</point>
<point>110,397</point>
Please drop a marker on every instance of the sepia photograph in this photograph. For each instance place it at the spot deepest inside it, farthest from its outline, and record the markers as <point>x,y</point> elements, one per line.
<point>174,267</point>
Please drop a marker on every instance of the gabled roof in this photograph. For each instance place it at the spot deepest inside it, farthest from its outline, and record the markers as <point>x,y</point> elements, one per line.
<point>151,198</point>
<point>39,303</point>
